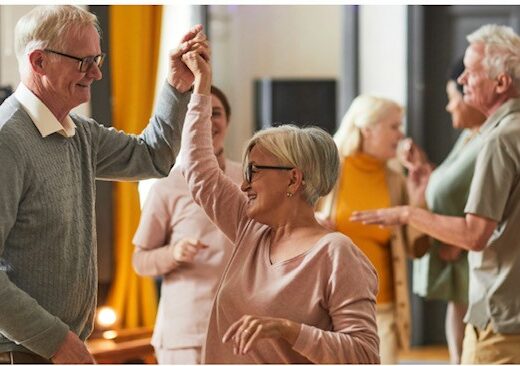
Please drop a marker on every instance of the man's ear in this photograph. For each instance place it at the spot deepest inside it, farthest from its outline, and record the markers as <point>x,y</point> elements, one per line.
<point>38,61</point>
<point>504,83</point>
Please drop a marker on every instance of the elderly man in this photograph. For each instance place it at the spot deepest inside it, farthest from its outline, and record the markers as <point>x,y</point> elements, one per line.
<point>490,229</point>
<point>50,160</point>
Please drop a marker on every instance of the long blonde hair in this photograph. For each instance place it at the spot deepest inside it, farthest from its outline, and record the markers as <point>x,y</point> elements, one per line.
<point>365,111</point>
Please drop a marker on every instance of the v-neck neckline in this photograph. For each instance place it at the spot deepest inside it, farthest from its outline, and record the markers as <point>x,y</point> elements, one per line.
<point>267,251</point>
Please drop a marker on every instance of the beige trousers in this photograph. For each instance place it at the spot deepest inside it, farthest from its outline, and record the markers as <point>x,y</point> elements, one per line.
<point>178,356</point>
<point>387,332</point>
<point>487,347</point>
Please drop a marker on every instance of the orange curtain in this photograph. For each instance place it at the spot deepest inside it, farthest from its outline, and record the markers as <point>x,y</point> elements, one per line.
<point>134,32</point>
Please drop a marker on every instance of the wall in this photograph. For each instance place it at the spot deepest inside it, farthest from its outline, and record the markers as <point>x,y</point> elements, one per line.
<point>382,43</point>
<point>250,42</point>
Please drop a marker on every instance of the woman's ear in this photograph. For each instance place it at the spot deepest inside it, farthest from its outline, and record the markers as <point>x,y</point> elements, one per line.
<point>296,180</point>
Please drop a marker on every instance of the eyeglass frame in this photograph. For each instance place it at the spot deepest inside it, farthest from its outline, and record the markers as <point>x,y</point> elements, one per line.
<point>83,60</point>
<point>248,173</point>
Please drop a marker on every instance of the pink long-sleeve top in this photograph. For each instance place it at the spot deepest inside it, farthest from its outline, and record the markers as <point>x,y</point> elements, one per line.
<point>169,214</point>
<point>330,289</point>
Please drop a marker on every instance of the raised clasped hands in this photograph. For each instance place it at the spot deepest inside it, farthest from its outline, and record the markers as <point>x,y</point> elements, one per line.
<point>179,75</point>
<point>249,329</point>
<point>185,250</point>
<point>398,215</point>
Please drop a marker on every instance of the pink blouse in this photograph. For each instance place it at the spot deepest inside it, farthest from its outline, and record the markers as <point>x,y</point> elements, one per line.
<point>330,289</point>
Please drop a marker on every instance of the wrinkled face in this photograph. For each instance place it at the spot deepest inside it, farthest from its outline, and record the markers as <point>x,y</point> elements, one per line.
<point>219,123</point>
<point>381,139</point>
<point>267,188</point>
<point>63,79</point>
<point>479,88</point>
<point>462,114</point>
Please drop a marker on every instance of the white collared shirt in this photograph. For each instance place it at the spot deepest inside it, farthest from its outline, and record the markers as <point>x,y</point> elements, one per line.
<point>41,116</point>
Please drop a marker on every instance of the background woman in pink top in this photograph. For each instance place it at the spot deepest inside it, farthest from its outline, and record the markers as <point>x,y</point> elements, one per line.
<point>293,291</point>
<point>176,240</point>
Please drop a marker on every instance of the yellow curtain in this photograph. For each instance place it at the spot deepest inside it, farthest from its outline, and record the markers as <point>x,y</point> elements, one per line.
<point>135,32</point>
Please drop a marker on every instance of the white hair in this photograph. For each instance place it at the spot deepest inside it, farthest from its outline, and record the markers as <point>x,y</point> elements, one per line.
<point>365,111</point>
<point>47,27</point>
<point>310,149</point>
<point>501,51</point>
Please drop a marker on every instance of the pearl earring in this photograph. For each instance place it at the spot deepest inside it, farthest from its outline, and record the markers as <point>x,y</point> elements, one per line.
<point>289,194</point>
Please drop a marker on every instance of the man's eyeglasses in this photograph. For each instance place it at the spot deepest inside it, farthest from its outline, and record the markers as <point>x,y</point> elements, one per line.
<point>84,63</point>
<point>252,168</point>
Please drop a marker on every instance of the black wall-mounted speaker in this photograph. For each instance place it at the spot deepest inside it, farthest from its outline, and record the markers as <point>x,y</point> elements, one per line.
<point>302,102</point>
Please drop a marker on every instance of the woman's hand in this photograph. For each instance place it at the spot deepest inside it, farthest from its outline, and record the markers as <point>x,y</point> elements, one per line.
<point>449,253</point>
<point>416,184</point>
<point>201,70</point>
<point>185,250</point>
<point>410,155</point>
<point>246,331</point>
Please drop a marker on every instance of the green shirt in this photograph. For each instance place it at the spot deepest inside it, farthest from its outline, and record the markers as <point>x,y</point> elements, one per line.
<point>446,194</point>
<point>494,291</point>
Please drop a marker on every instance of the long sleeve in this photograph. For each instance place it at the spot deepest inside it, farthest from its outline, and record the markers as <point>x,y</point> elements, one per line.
<point>152,153</point>
<point>22,319</point>
<point>351,292</point>
<point>216,193</point>
<point>153,255</point>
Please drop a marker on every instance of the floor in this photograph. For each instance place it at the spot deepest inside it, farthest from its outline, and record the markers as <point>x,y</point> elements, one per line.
<point>425,355</point>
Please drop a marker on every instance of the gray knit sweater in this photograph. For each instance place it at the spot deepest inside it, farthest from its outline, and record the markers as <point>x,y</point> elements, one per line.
<point>48,280</point>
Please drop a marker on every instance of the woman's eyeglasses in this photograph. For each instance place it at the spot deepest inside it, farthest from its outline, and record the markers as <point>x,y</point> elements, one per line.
<point>252,168</point>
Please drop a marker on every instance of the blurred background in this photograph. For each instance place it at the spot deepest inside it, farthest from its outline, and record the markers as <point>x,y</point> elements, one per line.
<point>277,64</point>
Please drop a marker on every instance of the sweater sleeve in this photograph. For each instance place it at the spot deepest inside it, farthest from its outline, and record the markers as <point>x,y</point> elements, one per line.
<point>22,319</point>
<point>152,153</point>
<point>351,291</point>
<point>211,189</point>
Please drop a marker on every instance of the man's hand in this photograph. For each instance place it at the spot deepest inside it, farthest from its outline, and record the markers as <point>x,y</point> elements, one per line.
<point>185,250</point>
<point>397,215</point>
<point>179,75</point>
<point>246,331</point>
<point>72,351</point>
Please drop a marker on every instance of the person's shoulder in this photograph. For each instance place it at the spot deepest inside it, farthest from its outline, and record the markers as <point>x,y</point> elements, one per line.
<point>338,244</point>
<point>343,254</point>
<point>11,113</point>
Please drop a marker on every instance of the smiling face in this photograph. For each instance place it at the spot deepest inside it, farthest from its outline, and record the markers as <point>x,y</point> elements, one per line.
<point>381,139</point>
<point>63,81</point>
<point>219,123</point>
<point>268,187</point>
<point>462,114</point>
<point>479,88</point>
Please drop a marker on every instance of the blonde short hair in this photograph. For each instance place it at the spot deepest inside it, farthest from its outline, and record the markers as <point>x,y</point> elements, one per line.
<point>501,51</point>
<point>46,27</point>
<point>365,111</point>
<point>310,149</point>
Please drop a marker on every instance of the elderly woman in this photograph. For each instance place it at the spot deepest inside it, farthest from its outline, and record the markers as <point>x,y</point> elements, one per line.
<point>176,240</point>
<point>442,274</point>
<point>367,140</point>
<point>293,291</point>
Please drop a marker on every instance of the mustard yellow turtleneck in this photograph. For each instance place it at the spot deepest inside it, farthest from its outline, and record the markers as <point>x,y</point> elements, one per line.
<point>363,186</point>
